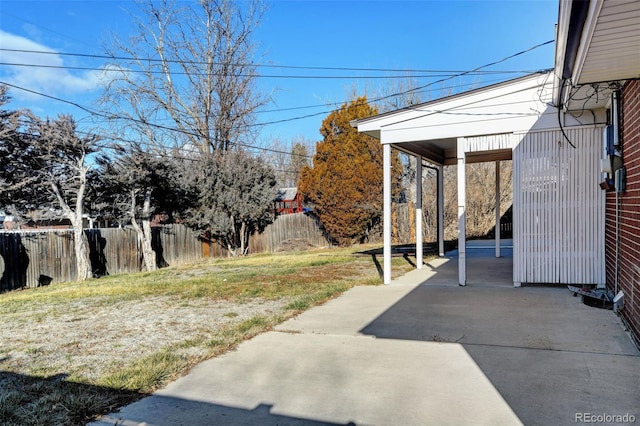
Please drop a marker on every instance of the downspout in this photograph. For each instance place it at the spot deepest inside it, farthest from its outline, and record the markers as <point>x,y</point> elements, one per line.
<point>617,267</point>
<point>615,117</point>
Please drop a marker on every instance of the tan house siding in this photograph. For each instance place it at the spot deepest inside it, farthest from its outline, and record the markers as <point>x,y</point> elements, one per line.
<point>628,270</point>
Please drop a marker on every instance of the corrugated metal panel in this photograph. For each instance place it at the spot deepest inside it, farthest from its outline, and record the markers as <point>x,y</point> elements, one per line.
<point>492,142</point>
<point>558,208</point>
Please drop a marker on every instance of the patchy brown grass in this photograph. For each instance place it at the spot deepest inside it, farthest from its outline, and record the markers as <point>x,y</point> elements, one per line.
<point>73,351</point>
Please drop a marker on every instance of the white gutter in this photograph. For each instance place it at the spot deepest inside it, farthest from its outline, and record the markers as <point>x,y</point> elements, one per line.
<point>576,22</point>
<point>595,6</point>
<point>562,28</point>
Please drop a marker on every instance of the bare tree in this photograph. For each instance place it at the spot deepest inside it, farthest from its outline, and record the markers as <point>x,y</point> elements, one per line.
<point>279,159</point>
<point>288,159</point>
<point>190,68</point>
<point>186,79</point>
<point>299,160</point>
<point>400,93</point>
<point>395,95</point>
<point>480,199</point>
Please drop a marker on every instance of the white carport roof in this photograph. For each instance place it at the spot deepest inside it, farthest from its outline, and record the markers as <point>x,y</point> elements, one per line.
<point>431,130</point>
<point>475,126</point>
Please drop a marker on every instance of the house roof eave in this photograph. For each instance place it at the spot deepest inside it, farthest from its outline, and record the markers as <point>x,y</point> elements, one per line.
<point>372,125</point>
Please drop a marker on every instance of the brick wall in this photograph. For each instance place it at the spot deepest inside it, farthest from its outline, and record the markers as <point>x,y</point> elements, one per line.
<point>629,214</point>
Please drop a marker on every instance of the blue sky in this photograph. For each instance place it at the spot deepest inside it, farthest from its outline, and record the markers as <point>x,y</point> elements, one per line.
<point>396,35</point>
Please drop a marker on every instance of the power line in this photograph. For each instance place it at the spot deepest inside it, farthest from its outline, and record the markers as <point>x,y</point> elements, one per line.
<point>251,75</point>
<point>258,65</point>
<point>413,90</point>
<point>112,117</point>
<point>75,104</point>
<point>337,104</point>
<point>118,138</point>
<point>448,111</point>
<point>468,72</point>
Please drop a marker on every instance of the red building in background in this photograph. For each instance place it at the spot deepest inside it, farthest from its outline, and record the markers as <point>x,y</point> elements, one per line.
<point>288,201</point>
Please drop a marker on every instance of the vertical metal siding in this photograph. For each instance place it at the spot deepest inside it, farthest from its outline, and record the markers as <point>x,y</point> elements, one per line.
<point>491,142</point>
<point>558,208</point>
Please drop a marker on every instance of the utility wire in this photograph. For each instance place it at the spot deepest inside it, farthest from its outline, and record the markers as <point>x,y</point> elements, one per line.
<point>111,116</point>
<point>338,104</point>
<point>462,74</point>
<point>449,111</point>
<point>298,67</point>
<point>375,100</point>
<point>173,129</point>
<point>251,75</point>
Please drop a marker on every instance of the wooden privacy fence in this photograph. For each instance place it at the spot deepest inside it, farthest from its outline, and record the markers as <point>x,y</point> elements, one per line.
<point>39,257</point>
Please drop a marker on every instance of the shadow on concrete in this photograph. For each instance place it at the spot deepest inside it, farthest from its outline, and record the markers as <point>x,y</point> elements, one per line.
<point>428,248</point>
<point>406,251</point>
<point>56,400</point>
<point>175,411</point>
<point>548,355</point>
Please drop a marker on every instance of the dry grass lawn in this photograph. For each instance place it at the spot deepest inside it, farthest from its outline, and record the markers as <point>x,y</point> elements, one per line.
<point>72,351</point>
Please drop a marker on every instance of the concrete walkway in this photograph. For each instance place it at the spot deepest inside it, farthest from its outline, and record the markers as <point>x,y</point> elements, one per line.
<point>421,351</point>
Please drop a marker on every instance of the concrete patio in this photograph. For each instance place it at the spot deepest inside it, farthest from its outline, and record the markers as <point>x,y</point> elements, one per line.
<point>420,351</point>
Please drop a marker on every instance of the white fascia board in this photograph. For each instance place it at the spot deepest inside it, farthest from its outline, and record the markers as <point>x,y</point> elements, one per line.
<point>468,129</point>
<point>505,109</point>
<point>562,33</point>
<point>372,125</point>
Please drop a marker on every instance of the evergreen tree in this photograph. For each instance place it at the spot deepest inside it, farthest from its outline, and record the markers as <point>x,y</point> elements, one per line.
<point>345,183</point>
<point>233,198</point>
<point>136,185</point>
<point>46,170</point>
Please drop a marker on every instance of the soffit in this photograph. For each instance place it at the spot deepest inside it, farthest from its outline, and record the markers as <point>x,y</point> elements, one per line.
<point>613,52</point>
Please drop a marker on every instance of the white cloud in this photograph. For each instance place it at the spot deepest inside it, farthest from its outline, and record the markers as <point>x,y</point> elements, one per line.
<point>57,82</point>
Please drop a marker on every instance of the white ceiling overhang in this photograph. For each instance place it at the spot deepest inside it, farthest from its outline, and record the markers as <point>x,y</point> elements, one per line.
<point>598,45</point>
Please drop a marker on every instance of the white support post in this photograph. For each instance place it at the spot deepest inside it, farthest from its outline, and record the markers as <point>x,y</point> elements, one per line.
<point>440,210</point>
<point>497,209</point>
<point>419,212</point>
<point>386,164</point>
<point>462,221</point>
